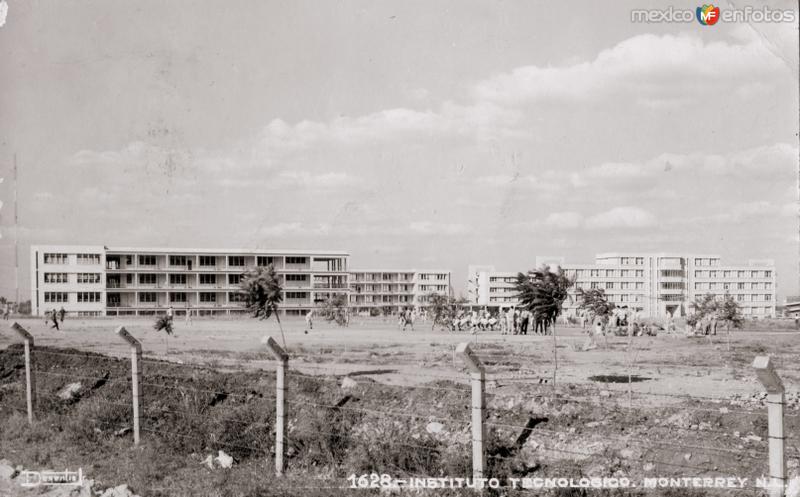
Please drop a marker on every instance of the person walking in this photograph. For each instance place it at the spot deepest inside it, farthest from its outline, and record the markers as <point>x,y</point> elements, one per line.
<point>309,321</point>
<point>54,317</point>
<point>61,314</point>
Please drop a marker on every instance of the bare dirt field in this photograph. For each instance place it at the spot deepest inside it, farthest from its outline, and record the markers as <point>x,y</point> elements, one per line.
<point>371,398</point>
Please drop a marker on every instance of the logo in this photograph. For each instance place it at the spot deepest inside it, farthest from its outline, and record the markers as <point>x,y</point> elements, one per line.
<point>708,15</point>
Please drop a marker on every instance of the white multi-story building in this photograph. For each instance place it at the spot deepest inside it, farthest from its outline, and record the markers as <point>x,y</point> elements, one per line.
<point>390,290</point>
<point>98,280</point>
<point>656,285</point>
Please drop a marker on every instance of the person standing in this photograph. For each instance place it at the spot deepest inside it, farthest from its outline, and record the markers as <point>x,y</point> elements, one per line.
<point>7,311</point>
<point>61,314</point>
<point>309,321</point>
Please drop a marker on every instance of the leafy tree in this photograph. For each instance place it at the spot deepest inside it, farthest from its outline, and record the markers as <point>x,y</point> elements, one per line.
<point>262,293</point>
<point>543,292</point>
<point>730,312</point>
<point>335,309</point>
<point>702,307</point>
<point>595,302</point>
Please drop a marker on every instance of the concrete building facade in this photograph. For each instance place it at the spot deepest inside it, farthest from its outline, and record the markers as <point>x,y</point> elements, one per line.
<point>389,291</point>
<point>656,285</point>
<point>98,280</point>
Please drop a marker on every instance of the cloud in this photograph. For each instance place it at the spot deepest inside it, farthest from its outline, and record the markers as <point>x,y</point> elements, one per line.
<point>431,228</point>
<point>530,182</point>
<point>654,70</point>
<point>564,220</point>
<point>622,217</point>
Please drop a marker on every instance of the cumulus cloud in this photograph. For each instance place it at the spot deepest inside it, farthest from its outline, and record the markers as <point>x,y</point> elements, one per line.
<point>622,217</point>
<point>651,68</point>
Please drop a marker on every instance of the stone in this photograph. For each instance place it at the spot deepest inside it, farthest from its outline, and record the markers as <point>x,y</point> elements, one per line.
<point>118,491</point>
<point>434,428</point>
<point>7,471</point>
<point>224,460</point>
<point>687,456</point>
<point>348,382</point>
<point>70,391</point>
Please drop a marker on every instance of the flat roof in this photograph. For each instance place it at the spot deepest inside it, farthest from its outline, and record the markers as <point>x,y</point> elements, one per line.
<point>217,251</point>
<point>399,271</point>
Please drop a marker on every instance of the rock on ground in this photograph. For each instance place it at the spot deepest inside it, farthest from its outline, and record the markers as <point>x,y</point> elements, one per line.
<point>70,391</point>
<point>349,383</point>
<point>7,471</point>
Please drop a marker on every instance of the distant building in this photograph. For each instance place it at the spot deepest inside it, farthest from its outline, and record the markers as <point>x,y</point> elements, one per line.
<point>791,307</point>
<point>390,290</point>
<point>656,285</point>
<point>109,281</point>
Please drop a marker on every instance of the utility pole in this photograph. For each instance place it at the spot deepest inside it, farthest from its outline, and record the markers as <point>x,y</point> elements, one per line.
<point>16,238</point>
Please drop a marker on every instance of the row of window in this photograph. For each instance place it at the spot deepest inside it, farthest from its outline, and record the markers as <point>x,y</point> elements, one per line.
<point>211,260</point>
<point>79,277</point>
<point>627,261</point>
<point>611,285</point>
<point>433,276</point>
<point>58,258</point>
<point>732,274</point>
<point>63,297</point>
<point>742,285</point>
<point>607,273</point>
<point>433,288</point>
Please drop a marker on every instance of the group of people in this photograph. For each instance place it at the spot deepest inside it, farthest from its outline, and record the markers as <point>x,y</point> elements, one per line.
<point>55,316</point>
<point>510,321</point>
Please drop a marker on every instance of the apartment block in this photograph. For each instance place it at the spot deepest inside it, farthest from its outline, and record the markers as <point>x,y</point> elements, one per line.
<point>393,290</point>
<point>114,281</point>
<point>656,285</point>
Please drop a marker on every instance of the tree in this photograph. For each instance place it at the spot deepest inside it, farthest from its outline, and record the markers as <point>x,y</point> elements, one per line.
<point>702,307</point>
<point>262,293</point>
<point>334,308</point>
<point>595,302</point>
<point>730,312</point>
<point>543,292</point>
<point>164,323</point>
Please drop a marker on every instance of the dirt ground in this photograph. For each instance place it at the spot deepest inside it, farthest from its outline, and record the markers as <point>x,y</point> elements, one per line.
<point>718,366</point>
<point>371,398</point>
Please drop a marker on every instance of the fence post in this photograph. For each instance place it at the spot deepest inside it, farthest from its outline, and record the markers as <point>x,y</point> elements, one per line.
<point>775,403</point>
<point>30,379</point>
<point>478,375</point>
<point>280,401</point>
<point>136,375</point>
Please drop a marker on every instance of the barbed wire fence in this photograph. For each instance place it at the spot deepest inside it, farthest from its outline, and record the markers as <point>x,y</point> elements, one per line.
<point>277,413</point>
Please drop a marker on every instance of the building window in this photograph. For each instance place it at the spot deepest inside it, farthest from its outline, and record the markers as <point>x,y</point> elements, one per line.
<point>767,274</point>
<point>236,260</point>
<point>208,297</point>
<point>147,260</point>
<point>626,261</point>
<point>88,296</point>
<point>234,279</point>
<point>88,259</point>
<point>640,261</point>
<point>640,273</point>
<point>594,284</point>
<point>639,285</point>
<point>767,296</point>
<point>595,273</point>
<point>712,274</point>
<point>610,285</point>
<point>177,279</point>
<point>53,297</point>
<point>55,258</point>
<point>295,260</point>
<point>56,278</point>
<point>177,297</point>
<point>177,260</point>
<point>147,297</point>
<point>740,286</point>
<point>609,273</point>
<point>208,279</point>
<point>296,295</point>
<point>88,277</point>
<point>237,297</point>
<point>263,260</point>
<point>295,277</point>
<point>208,260</point>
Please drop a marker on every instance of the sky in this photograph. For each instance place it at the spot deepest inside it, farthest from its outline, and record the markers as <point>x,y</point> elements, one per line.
<point>413,134</point>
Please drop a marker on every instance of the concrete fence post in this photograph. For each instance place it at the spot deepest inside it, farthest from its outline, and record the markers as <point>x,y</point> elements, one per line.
<point>280,401</point>
<point>775,405</point>
<point>478,375</point>
<point>136,376</point>
<point>30,379</point>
